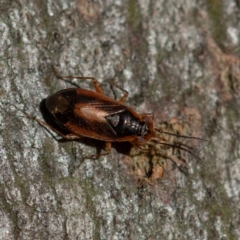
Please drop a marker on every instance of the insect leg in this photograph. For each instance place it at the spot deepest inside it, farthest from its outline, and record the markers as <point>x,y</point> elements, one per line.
<point>48,128</point>
<point>97,87</point>
<point>107,148</point>
<point>124,97</point>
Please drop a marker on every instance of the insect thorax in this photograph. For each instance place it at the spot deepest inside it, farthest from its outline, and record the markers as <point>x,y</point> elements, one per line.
<point>126,124</point>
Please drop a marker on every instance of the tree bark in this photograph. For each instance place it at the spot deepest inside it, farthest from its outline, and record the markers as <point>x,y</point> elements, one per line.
<point>178,60</point>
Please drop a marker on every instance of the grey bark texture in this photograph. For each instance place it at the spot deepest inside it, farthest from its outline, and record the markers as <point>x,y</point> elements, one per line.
<point>178,60</point>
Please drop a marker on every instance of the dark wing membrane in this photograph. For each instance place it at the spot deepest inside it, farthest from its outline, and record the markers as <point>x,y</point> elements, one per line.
<point>84,112</point>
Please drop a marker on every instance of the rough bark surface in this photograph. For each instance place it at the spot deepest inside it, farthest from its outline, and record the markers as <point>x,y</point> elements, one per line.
<point>179,60</point>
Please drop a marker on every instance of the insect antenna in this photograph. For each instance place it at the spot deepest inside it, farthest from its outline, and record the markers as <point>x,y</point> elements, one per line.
<point>177,144</point>
<point>178,135</point>
<point>186,148</point>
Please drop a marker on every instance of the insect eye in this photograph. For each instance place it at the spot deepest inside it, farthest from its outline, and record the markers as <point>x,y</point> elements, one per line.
<point>148,118</point>
<point>141,140</point>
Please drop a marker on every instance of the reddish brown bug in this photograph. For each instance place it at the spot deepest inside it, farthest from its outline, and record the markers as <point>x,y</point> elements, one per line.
<point>85,113</point>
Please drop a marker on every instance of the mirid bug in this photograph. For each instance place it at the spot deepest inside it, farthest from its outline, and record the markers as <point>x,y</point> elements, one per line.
<point>91,114</point>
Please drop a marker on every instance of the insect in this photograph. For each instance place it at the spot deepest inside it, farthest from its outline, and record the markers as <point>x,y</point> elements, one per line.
<point>85,113</point>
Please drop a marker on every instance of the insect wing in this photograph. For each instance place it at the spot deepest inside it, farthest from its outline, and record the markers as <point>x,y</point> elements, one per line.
<point>86,113</point>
